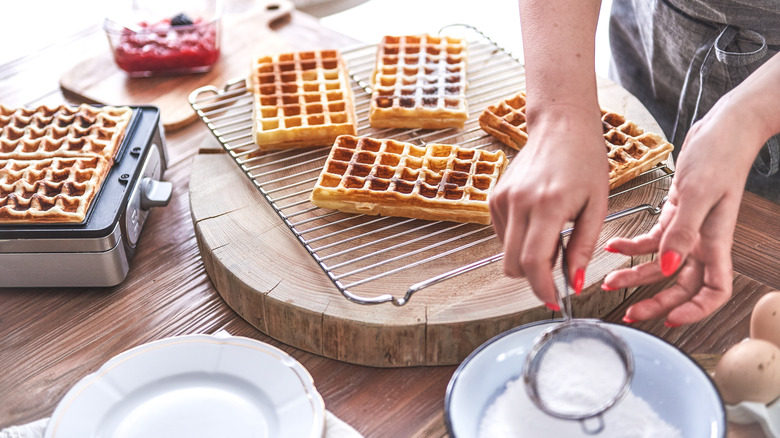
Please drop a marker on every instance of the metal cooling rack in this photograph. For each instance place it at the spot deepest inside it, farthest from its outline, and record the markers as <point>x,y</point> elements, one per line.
<point>371,259</point>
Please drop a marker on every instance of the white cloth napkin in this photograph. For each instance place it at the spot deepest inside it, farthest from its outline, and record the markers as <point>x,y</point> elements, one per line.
<point>35,429</point>
<point>334,428</point>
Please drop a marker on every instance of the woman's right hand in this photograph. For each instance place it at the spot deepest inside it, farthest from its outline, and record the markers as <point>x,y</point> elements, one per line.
<point>561,175</point>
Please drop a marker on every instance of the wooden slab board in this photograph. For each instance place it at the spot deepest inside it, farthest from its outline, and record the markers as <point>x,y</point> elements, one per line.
<point>245,34</point>
<point>266,276</point>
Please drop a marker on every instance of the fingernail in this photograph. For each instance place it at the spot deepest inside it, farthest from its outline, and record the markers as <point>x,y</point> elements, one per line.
<point>628,320</point>
<point>553,307</point>
<point>605,287</point>
<point>670,261</point>
<point>579,281</point>
<point>670,325</point>
<point>611,249</point>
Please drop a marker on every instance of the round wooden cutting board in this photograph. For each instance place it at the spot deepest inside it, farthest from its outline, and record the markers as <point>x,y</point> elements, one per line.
<point>267,277</point>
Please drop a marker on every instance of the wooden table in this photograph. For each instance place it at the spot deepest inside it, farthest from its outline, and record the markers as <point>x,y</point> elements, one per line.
<point>51,338</point>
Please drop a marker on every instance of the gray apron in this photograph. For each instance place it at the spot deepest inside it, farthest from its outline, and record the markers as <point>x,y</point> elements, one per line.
<point>680,56</point>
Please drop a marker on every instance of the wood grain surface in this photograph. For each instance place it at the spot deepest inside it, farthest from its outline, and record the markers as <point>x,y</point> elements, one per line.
<point>98,79</point>
<point>50,338</point>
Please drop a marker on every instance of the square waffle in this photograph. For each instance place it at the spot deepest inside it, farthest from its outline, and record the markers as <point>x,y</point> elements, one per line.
<point>53,160</point>
<point>419,82</point>
<point>630,150</point>
<point>393,178</point>
<point>300,99</point>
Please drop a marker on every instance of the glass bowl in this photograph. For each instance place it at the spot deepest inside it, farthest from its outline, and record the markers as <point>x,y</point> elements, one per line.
<point>156,38</point>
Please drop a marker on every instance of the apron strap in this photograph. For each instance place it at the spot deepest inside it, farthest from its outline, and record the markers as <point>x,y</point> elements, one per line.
<point>729,58</point>
<point>739,58</point>
<point>698,61</point>
<point>772,148</point>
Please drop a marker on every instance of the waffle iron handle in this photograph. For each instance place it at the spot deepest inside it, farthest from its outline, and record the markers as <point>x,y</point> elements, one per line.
<point>654,210</point>
<point>155,193</point>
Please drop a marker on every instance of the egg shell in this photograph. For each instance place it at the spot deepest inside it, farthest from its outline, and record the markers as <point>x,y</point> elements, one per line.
<point>749,371</point>
<point>765,319</point>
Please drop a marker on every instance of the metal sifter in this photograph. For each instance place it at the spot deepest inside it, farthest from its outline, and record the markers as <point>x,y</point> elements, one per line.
<point>584,337</point>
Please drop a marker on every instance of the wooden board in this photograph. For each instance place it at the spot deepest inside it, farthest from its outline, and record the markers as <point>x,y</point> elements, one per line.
<point>267,277</point>
<point>246,33</point>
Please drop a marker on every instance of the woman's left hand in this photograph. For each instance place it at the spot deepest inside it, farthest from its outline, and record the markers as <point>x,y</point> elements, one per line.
<point>695,230</point>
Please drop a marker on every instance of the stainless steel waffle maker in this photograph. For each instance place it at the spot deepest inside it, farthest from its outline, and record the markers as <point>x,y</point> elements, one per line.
<point>96,252</point>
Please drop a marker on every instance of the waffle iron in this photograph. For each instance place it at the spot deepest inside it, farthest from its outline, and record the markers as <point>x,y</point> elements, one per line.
<point>96,252</point>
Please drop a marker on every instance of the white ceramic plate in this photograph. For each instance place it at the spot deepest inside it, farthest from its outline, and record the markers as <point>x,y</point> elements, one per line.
<point>674,386</point>
<point>194,386</point>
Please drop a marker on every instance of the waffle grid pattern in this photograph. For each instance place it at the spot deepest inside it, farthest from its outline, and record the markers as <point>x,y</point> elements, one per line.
<point>53,160</point>
<point>419,82</point>
<point>301,99</point>
<point>63,131</point>
<point>393,178</point>
<point>630,150</point>
<point>506,121</point>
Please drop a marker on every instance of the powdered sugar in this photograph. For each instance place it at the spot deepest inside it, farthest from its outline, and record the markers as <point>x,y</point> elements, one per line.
<point>579,377</point>
<point>513,414</point>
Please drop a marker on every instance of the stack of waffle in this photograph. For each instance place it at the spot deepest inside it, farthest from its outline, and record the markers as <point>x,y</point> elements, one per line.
<point>630,150</point>
<point>300,100</point>
<point>393,178</point>
<point>419,82</point>
<point>54,160</point>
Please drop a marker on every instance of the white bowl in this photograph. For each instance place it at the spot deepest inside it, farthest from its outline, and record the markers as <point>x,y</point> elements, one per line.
<point>675,387</point>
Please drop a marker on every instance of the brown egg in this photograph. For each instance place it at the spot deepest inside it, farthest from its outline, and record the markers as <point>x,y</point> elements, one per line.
<point>765,319</point>
<point>749,371</point>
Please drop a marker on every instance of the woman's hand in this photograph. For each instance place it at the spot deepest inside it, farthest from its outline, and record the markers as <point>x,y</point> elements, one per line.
<point>561,175</point>
<point>696,227</point>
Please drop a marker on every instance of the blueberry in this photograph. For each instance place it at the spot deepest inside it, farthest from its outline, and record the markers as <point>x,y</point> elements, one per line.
<point>181,20</point>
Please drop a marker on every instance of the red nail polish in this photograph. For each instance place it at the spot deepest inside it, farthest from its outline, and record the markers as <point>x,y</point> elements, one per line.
<point>553,307</point>
<point>670,325</point>
<point>579,281</point>
<point>607,288</point>
<point>611,249</point>
<point>628,320</point>
<point>670,261</point>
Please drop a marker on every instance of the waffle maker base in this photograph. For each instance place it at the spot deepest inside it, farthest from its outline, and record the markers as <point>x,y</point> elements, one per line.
<point>98,251</point>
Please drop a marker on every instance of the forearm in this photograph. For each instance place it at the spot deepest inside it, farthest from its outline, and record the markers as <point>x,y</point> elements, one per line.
<point>757,101</point>
<point>559,52</point>
<point>740,122</point>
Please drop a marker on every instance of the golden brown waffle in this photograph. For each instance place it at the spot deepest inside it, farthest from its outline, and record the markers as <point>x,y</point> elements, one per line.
<point>393,178</point>
<point>630,150</point>
<point>63,131</point>
<point>53,160</point>
<point>49,190</point>
<point>300,100</point>
<point>419,82</point>
<point>506,121</point>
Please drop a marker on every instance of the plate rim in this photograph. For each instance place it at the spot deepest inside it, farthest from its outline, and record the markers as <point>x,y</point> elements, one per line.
<point>304,376</point>
<point>458,371</point>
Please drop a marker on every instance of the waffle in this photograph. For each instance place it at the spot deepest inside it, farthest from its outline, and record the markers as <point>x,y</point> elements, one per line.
<point>63,131</point>
<point>419,82</point>
<point>506,121</point>
<point>300,100</point>
<point>50,190</point>
<point>53,160</point>
<point>393,178</point>
<point>630,150</point>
